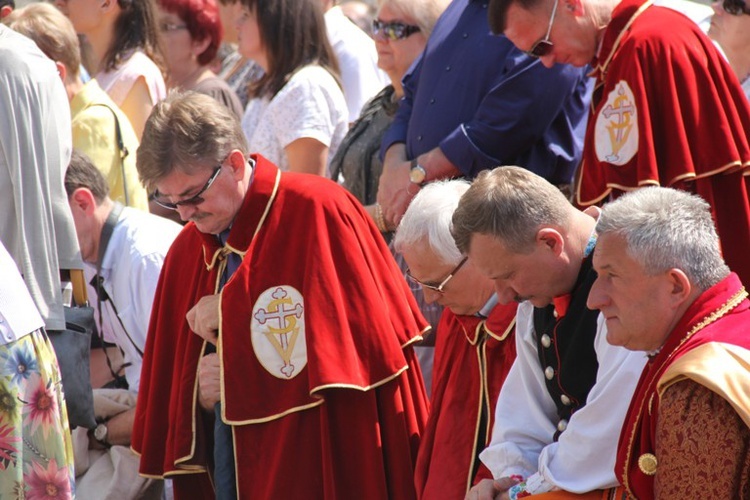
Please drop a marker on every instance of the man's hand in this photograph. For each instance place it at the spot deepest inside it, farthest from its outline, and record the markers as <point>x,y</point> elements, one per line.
<point>491,489</point>
<point>393,190</point>
<point>209,382</point>
<point>203,318</point>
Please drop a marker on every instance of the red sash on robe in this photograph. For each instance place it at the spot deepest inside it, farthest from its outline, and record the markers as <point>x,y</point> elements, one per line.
<point>472,359</point>
<point>692,120</point>
<point>727,326</point>
<point>347,423</point>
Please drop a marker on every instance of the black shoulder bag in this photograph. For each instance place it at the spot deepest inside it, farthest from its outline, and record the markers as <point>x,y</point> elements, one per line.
<point>73,349</point>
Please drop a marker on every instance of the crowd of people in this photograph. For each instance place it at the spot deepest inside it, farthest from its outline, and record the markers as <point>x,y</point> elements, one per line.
<point>412,249</point>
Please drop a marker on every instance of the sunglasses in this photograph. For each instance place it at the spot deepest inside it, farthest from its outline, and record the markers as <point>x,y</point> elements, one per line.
<point>440,287</point>
<point>393,31</point>
<point>735,7</point>
<point>193,200</point>
<point>543,47</point>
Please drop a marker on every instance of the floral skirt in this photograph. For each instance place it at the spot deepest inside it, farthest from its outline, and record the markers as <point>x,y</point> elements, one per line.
<point>36,452</point>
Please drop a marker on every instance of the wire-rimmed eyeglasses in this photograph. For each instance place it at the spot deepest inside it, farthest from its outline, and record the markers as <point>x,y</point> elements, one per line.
<point>440,287</point>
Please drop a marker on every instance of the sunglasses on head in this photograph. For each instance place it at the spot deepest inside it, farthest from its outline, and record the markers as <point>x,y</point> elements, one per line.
<point>544,46</point>
<point>735,7</point>
<point>393,31</point>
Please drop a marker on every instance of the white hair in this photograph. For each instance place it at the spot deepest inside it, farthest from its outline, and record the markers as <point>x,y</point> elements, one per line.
<point>423,13</point>
<point>665,229</point>
<point>428,219</point>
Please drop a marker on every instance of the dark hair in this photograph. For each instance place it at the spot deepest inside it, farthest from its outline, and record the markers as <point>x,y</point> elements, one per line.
<point>497,12</point>
<point>184,132</point>
<point>82,173</point>
<point>293,34</point>
<point>202,20</point>
<point>8,3</point>
<point>135,28</point>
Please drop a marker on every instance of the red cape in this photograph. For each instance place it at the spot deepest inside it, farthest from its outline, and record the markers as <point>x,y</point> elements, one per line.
<point>666,96</point>
<point>472,360</point>
<point>720,315</point>
<point>346,419</point>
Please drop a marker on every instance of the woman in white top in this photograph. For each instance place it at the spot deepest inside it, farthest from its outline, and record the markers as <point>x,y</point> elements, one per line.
<point>126,58</point>
<point>297,114</point>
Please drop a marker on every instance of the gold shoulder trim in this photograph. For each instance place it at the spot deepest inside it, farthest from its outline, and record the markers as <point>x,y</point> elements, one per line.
<point>271,199</point>
<point>721,368</point>
<point>384,381</point>
<point>645,182</point>
<point>503,335</point>
<point>270,418</point>
<point>180,472</point>
<point>603,67</point>
<point>417,338</point>
<point>732,165</point>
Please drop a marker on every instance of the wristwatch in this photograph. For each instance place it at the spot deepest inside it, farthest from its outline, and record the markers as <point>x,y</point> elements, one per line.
<point>100,433</point>
<point>417,174</point>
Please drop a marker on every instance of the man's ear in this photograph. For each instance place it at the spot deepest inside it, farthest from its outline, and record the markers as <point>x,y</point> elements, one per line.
<point>238,163</point>
<point>5,10</point>
<point>83,200</point>
<point>551,239</point>
<point>681,288</point>
<point>61,70</point>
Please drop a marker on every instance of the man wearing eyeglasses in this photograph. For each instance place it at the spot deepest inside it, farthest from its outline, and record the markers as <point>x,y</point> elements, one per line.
<point>472,102</point>
<point>473,353</point>
<point>313,390</point>
<point>559,414</point>
<point>730,31</point>
<point>666,110</point>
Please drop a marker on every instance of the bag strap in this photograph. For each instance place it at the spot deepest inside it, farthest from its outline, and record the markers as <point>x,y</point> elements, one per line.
<point>97,281</point>
<point>122,150</point>
<point>80,293</point>
<point>107,230</point>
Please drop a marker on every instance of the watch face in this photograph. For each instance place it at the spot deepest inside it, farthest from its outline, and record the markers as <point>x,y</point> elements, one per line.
<point>417,174</point>
<point>100,433</point>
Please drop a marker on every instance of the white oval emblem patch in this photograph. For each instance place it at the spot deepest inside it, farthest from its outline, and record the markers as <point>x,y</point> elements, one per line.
<point>616,129</point>
<point>277,331</point>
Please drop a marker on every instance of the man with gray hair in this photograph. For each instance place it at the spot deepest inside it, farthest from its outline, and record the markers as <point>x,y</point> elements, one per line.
<point>664,288</point>
<point>473,353</point>
<point>562,406</point>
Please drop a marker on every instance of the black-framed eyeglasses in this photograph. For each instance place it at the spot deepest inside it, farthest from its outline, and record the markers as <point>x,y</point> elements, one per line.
<point>393,31</point>
<point>544,46</point>
<point>440,287</point>
<point>735,7</point>
<point>193,200</point>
